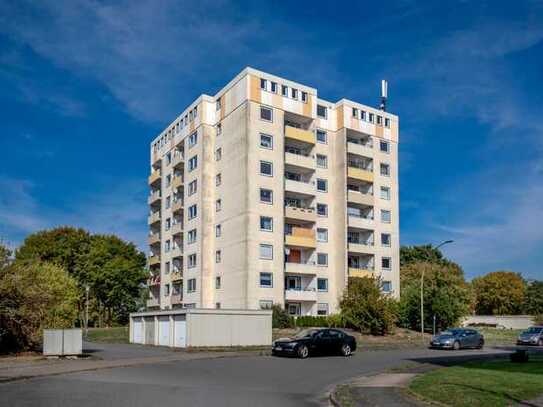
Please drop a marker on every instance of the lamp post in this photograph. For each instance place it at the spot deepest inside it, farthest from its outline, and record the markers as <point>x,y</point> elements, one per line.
<point>422,291</point>
<point>87,288</point>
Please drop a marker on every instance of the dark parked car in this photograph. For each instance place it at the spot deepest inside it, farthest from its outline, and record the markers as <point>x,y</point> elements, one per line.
<point>315,341</point>
<point>457,338</point>
<point>532,336</point>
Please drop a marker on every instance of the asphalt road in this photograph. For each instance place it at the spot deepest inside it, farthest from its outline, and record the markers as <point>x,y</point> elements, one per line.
<point>237,382</point>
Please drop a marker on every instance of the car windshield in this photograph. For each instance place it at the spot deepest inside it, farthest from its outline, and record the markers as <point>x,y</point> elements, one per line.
<point>305,333</point>
<point>534,330</point>
<point>452,332</point>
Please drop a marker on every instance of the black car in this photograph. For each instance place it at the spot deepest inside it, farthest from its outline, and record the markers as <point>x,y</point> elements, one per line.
<point>315,341</point>
<point>456,338</point>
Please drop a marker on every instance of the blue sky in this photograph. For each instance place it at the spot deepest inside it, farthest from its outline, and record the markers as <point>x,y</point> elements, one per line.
<point>86,85</point>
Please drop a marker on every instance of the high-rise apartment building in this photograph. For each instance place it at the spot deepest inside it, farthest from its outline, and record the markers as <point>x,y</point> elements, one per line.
<point>266,194</point>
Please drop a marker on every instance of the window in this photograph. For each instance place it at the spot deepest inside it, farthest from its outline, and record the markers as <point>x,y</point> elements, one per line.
<point>385,170</point>
<point>167,245</point>
<point>218,204</point>
<point>266,223</point>
<point>371,117</point>
<point>191,236</point>
<point>193,211</point>
<point>168,224</point>
<point>384,146</point>
<point>322,185</point>
<point>266,195</point>
<point>322,284</point>
<point>304,97</point>
<point>193,187</point>
<point>380,120</point>
<point>166,290</point>
<point>191,261</point>
<point>218,179</point>
<point>266,168</point>
<point>193,139</point>
<point>217,256</point>
<point>322,259</point>
<point>386,286</point>
<point>266,113</point>
<point>168,201</point>
<point>218,230</point>
<point>322,161</point>
<point>355,112</point>
<point>218,104</point>
<point>191,285</point>
<point>168,158</point>
<point>387,122</point>
<point>218,305</point>
<point>322,309</point>
<point>219,129</point>
<point>322,111</point>
<point>284,90</point>
<point>362,115</point>
<point>322,235</point>
<point>263,84</point>
<point>322,209</point>
<point>266,141</point>
<point>266,251</point>
<point>193,163</point>
<point>294,93</point>
<point>322,137</point>
<point>385,216</point>
<point>274,87</point>
<point>385,193</point>
<point>218,154</point>
<point>167,267</point>
<point>385,263</point>
<point>168,180</point>
<point>385,239</point>
<point>266,280</point>
<point>218,283</point>
<point>266,304</point>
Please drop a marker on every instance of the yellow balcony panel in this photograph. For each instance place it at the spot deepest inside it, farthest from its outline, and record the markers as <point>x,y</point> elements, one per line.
<point>360,272</point>
<point>154,260</point>
<point>177,205</point>
<point>305,136</point>
<point>301,237</point>
<point>305,214</point>
<point>362,175</point>
<point>154,178</point>
<point>154,239</point>
<point>360,198</point>
<point>177,182</point>
<point>177,276</point>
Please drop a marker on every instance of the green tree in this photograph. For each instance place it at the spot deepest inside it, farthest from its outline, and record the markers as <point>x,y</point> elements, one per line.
<point>446,295</point>
<point>499,293</point>
<point>365,308</point>
<point>423,253</point>
<point>34,296</point>
<point>533,300</point>
<point>281,318</point>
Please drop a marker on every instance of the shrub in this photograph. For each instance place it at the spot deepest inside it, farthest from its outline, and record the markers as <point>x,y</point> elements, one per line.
<point>280,317</point>
<point>366,309</point>
<point>538,319</point>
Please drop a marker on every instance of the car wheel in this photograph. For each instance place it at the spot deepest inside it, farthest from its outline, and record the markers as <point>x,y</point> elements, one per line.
<point>456,345</point>
<point>481,344</point>
<point>346,350</point>
<point>303,352</point>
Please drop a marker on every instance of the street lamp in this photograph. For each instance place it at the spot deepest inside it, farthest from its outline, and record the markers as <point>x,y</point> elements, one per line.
<point>422,290</point>
<point>87,288</point>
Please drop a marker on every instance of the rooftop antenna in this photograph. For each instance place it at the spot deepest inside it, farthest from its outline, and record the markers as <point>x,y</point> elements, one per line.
<point>384,95</point>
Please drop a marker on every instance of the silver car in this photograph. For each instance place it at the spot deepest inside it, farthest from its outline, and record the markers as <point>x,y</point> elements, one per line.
<point>457,338</point>
<point>532,336</point>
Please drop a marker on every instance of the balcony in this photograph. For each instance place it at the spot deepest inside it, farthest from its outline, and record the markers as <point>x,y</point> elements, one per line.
<point>177,251</point>
<point>154,197</point>
<point>176,298</point>
<point>305,214</point>
<point>177,229</point>
<point>360,149</point>
<point>299,160</point>
<point>360,272</point>
<point>154,178</point>
<point>360,222</point>
<point>177,205</point>
<point>308,269</point>
<point>359,174</point>
<point>363,248</point>
<point>154,280</point>
<point>306,188</point>
<point>176,276</point>
<point>177,160</point>
<point>154,239</point>
<point>154,218</point>
<point>153,302</point>
<point>307,294</point>
<point>305,136</point>
<point>154,260</point>
<point>301,237</point>
<point>360,198</point>
<point>177,182</point>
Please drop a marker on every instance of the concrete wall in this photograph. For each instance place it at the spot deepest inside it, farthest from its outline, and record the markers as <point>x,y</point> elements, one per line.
<point>505,321</point>
<point>209,327</point>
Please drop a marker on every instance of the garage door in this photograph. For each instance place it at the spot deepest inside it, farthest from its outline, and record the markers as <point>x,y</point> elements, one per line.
<point>137,330</point>
<point>149,330</point>
<point>180,332</point>
<point>164,331</point>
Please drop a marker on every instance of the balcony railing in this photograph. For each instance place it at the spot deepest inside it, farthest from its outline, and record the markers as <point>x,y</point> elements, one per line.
<point>302,237</point>
<point>176,298</point>
<point>154,217</point>
<point>153,280</point>
<point>154,177</point>
<point>308,268</point>
<point>154,238</point>
<point>306,136</point>
<point>154,196</point>
<point>305,294</point>
<point>154,260</point>
<point>153,302</point>
<point>300,213</point>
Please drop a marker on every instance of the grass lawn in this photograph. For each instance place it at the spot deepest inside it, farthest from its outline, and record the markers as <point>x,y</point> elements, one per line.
<point>494,336</point>
<point>489,383</point>
<point>109,335</point>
